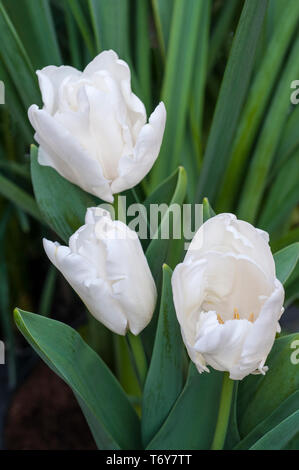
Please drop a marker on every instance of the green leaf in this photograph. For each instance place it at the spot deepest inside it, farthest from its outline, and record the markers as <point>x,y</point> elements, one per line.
<point>165,376</point>
<point>191,422</point>
<point>287,408</point>
<point>279,436</point>
<point>17,62</point>
<point>112,419</point>
<point>233,435</point>
<point>256,397</point>
<point>177,83</point>
<point>289,142</point>
<point>111,25</point>
<point>231,98</point>
<point>285,261</point>
<point>62,204</point>
<point>257,101</point>
<point>282,197</point>
<point>199,79</point>
<point>19,197</point>
<point>221,30</point>
<point>156,252</point>
<point>39,37</point>
<point>207,210</point>
<point>164,250</point>
<point>85,30</point>
<point>162,15</point>
<point>267,144</point>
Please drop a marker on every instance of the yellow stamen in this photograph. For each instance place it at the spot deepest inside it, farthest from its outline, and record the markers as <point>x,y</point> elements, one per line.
<point>236,314</point>
<point>220,319</point>
<point>251,317</point>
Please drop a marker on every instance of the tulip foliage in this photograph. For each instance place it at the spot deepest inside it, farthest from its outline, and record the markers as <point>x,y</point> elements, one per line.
<point>187,349</point>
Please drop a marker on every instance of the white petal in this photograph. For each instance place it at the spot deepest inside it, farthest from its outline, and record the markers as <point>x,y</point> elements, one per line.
<point>94,292</point>
<point>60,150</point>
<point>225,233</point>
<point>132,282</point>
<point>133,168</point>
<point>50,78</point>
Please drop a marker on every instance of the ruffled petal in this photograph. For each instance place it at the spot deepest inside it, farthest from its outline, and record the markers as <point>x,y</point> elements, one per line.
<point>133,168</point>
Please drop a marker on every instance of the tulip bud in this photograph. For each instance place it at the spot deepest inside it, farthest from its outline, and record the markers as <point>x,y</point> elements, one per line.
<point>227,298</point>
<point>92,129</point>
<point>106,266</point>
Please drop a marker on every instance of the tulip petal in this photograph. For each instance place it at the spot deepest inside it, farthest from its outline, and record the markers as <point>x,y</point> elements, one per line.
<point>133,168</point>
<point>60,150</point>
<point>50,78</point>
<point>95,293</point>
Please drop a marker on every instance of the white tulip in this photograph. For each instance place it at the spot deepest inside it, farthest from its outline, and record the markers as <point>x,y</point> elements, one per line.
<point>106,266</point>
<point>227,298</point>
<point>92,129</point>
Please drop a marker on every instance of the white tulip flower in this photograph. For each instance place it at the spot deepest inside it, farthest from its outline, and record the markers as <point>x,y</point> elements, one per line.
<point>227,298</point>
<point>106,266</point>
<point>92,129</point>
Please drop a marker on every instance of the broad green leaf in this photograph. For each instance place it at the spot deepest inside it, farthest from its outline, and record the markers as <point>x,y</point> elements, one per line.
<point>268,140</point>
<point>258,99</point>
<point>279,436</point>
<point>19,197</point>
<point>258,397</point>
<point>62,204</point>
<point>286,409</point>
<point>292,236</point>
<point>285,261</point>
<point>39,36</point>
<point>165,376</point>
<point>177,83</point>
<point>191,422</point>
<point>231,98</point>
<point>112,419</point>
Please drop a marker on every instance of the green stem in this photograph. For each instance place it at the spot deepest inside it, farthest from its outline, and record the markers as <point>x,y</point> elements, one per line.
<point>223,413</point>
<point>138,358</point>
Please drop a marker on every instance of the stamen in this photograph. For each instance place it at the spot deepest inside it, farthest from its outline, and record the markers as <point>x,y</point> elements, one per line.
<point>251,317</point>
<point>220,319</point>
<point>236,314</point>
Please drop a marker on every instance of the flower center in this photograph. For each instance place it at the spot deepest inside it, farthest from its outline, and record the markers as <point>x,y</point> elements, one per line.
<point>236,316</point>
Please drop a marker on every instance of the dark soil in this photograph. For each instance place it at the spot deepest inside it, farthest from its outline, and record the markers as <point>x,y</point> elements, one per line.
<point>44,415</point>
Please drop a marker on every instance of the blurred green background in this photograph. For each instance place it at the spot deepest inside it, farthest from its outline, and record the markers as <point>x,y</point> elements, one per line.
<point>224,70</point>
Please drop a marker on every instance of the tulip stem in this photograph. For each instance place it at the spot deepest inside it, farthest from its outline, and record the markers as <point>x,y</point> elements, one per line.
<point>138,358</point>
<point>223,413</point>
